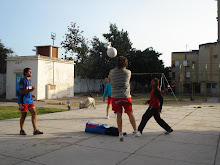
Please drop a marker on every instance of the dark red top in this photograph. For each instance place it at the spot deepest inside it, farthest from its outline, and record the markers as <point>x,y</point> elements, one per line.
<point>156,99</point>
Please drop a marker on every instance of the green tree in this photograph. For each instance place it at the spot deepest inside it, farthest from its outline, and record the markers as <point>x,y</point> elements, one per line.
<point>101,63</point>
<point>94,63</point>
<point>119,40</point>
<point>4,52</point>
<point>76,44</point>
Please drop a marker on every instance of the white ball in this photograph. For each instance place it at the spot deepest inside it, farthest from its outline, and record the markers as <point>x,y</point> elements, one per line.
<point>111,52</point>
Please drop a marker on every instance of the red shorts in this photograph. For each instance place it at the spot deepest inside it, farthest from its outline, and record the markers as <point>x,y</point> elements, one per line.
<point>109,100</point>
<point>26,107</point>
<point>118,103</point>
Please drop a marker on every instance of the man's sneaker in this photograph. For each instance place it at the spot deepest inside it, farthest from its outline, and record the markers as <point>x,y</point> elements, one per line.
<point>107,117</point>
<point>121,137</point>
<point>169,131</point>
<point>37,132</point>
<point>137,133</point>
<point>22,132</point>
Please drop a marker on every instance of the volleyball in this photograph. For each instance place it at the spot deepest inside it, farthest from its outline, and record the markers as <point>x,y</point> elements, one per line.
<point>111,52</point>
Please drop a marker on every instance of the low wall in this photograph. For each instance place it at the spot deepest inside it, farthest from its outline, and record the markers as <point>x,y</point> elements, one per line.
<point>88,85</point>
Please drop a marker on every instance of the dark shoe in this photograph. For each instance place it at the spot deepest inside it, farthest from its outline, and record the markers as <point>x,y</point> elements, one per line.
<point>22,132</point>
<point>37,132</point>
<point>169,131</point>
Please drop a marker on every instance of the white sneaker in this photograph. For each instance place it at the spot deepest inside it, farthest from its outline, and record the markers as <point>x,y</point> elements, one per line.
<point>107,117</point>
<point>137,133</point>
<point>121,137</point>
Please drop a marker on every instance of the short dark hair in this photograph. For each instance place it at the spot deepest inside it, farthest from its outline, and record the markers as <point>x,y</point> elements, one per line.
<point>156,80</point>
<point>26,70</point>
<point>122,62</point>
<point>90,94</point>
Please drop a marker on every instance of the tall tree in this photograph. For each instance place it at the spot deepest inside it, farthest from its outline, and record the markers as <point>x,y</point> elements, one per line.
<point>101,63</point>
<point>76,44</point>
<point>146,61</point>
<point>4,52</point>
<point>119,40</point>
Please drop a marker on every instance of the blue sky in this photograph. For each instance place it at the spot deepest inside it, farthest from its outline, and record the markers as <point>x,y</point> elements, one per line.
<point>166,25</point>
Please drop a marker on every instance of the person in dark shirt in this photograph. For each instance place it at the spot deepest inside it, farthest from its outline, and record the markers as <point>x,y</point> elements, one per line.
<point>154,109</point>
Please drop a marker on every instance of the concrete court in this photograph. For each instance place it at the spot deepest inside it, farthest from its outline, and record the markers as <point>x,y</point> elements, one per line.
<point>195,140</point>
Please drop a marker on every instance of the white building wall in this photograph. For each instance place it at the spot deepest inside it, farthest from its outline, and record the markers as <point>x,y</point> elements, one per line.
<point>53,78</point>
<point>14,66</point>
<point>2,84</point>
<point>64,79</point>
<point>45,77</point>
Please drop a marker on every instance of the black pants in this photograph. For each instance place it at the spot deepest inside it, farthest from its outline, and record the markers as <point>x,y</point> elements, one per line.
<point>148,114</point>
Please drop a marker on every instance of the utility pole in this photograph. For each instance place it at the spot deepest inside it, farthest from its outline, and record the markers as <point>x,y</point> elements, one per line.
<point>219,84</point>
<point>218,15</point>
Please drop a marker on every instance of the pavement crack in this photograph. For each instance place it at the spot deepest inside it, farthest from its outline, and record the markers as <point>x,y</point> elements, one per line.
<point>217,150</point>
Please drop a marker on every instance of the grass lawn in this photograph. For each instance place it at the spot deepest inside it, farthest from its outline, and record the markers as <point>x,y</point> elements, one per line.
<point>10,112</point>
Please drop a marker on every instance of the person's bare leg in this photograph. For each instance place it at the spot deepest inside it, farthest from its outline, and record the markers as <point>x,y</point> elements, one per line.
<point>107,109</point>
<point>132,120</point>
<point>119,121</point>
<point>22,119</point>
<point>34,118</point>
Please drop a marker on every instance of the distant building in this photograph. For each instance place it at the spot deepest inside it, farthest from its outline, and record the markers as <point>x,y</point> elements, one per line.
<point>53,77</point>
<point>209,68</point>
<point>198,71</point>
<point>185,69</point>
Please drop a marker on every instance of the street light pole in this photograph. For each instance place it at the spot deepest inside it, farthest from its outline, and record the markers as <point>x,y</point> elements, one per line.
<point>206,68</point>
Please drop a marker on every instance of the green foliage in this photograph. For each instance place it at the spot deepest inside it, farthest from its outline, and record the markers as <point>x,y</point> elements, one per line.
<point>76,44</point>
<point>119,40</point>
<point>94,62</point>
<point>4,52</point>
<point>11,112</point>
<point>100,63</point>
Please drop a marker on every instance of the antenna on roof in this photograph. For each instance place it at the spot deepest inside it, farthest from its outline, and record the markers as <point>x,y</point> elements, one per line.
<point>53,36</point>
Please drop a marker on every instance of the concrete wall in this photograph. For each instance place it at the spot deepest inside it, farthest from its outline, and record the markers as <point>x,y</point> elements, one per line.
<point>54,78</point>
<point>16,65</point>
<point>2,84</point>
<point>209,60</point>
<point>59,75</point>
<point>86,85</point>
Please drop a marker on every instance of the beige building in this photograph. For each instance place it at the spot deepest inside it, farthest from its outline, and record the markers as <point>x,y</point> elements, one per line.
<point>198,71</point>
<point>209,68</point>
<point>200,68</point>
<point>185,71</point>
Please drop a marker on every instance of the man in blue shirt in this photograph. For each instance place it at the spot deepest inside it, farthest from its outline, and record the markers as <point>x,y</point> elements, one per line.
<point>26,103</point>
<point>108,93</point>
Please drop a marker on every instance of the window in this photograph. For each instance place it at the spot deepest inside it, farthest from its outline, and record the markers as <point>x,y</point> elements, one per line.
<point>215,56</point>
<point>209,85</point>
<point>214,85</point>
<point>173,74</point>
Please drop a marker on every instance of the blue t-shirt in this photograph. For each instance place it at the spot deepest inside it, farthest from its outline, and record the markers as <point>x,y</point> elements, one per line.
<point>107,90</point>
<point>27,97</point>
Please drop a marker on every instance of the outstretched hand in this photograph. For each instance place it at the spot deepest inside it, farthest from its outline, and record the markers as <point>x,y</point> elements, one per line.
<point>147,102</point>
